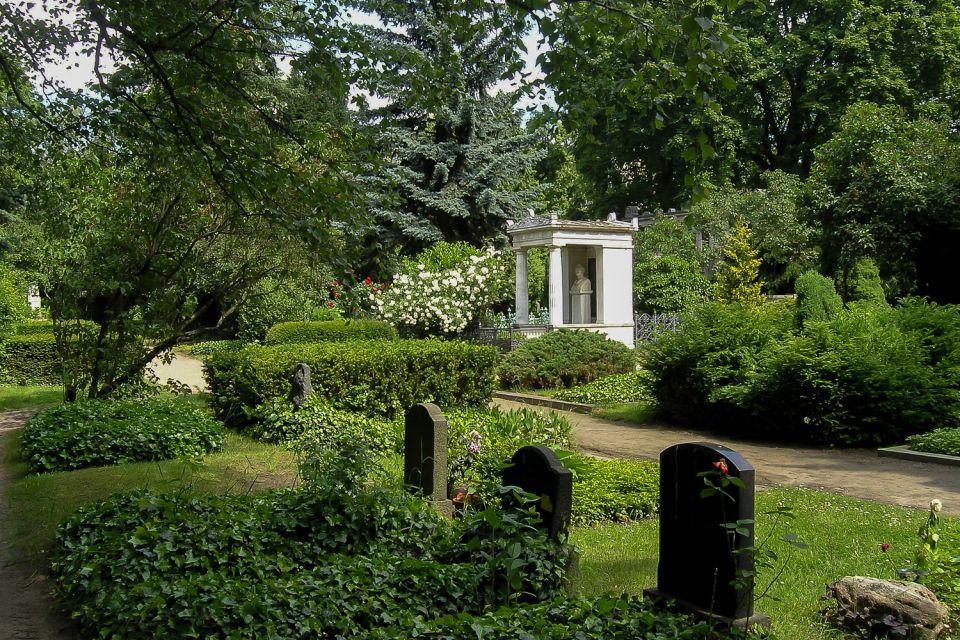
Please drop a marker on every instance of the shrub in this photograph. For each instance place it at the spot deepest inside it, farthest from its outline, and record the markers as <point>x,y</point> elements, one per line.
<point>618,490</point>
<point>31,358</point>
<point>863,283</point>
<point>862,379</point>
<point>277,421</point>
<point>329,331</point>
<point>564,358</point>
<point>480,440</point>
<point>375,377</point>
<point>738,277</point>
<point>817,299</point>
<point>33,327</point>
<point>100,432</point>
<point>944,441</point>
<point>615,389</point>
<point>292,564</point>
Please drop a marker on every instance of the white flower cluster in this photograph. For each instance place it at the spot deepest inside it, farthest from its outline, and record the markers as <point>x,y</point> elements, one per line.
<point>442,303</point>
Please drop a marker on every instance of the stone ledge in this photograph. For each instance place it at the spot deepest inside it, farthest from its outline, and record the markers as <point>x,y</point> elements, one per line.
<point>904,452</point>
<point>542,401</point>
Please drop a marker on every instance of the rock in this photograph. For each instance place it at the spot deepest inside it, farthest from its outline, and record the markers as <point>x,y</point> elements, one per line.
<point>875,600</point>
<point>300,387</point>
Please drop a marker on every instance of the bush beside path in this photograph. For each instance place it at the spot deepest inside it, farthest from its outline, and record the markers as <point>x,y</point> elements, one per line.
<point>858,473</point>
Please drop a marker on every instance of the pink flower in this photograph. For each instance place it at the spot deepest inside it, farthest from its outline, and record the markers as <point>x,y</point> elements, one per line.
<point>884,546</point>
<point>721,466</point>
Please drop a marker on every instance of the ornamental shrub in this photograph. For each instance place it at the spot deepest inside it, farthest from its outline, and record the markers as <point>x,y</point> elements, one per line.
<point>817,298</point>
<point>329,331</point>
<point>373,377</point>
<point>308,563</point>
<point>862,379</point>
<point>278,422</point>
<point>444,291</point>
<point>615,389</point>
<point>564,358</point>
<point>738,277</point>
<point>30,358</point>
<point>863,283</point>
<point>100,432</point>
<point>210,348</point>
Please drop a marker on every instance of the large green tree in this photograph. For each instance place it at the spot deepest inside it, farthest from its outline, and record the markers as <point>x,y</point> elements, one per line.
<point>887,187</point>
<point>451,158</point>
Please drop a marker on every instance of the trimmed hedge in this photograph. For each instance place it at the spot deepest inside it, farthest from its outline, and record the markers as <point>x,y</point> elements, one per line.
<point>100,432</point>
<point>30,358</point>
<point>329,331</point>
<point>564,358</point>
<point>373,377</point>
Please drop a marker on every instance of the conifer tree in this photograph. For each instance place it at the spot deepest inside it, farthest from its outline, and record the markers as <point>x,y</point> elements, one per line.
<point>450,166</point>
<point>738,278</point>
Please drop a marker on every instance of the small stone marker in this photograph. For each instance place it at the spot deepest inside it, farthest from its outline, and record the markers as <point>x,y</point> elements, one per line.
<point>698,565</point>
<point>537,470</point>
<point>425,455</point>
<point>300,387</point>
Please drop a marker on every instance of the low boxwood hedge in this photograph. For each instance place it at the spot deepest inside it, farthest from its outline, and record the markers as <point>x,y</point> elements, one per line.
<point>99,432</point>
<point>329,331</point>
<point>30,358</point>
<point>564,358</point>
<point>373,377</point>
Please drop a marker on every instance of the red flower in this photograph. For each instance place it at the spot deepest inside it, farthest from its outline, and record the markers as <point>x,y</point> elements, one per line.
<point>368,281</point>
<point>884,546</point>
<point>721,466</point>
<point>331,304</point>
<point>337,294</point>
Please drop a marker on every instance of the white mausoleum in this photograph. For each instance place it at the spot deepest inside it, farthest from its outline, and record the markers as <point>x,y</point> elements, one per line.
<point>590,272</point>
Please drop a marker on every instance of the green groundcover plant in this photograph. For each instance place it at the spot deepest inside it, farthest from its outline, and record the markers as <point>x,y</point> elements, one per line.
<point>101,432</point>
<point>329,331</point>
<point>945,441</point>
<point>302,563</point>
<point>615,389</point>
<point>564,359</point>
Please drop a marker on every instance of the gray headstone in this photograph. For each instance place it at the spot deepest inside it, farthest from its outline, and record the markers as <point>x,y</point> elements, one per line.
<point>699,565</point>
<point>300,387</point>
<point>537,470</point>
<point>425,455</point>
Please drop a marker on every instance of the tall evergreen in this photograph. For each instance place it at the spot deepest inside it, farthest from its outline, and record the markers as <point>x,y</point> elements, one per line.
<point>452,151</point>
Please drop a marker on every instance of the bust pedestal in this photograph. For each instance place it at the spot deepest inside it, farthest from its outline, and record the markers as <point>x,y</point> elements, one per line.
<point>580,307</point>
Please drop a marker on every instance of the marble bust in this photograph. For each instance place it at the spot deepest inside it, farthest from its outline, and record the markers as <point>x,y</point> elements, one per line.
<point>582,284</point>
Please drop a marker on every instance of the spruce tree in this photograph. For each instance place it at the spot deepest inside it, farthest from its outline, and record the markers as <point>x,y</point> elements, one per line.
<point>738,279</point>
<point>451,154</point>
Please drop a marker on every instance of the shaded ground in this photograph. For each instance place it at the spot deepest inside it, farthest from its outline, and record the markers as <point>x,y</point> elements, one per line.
<point>28,610</point>
<point>854,472</point>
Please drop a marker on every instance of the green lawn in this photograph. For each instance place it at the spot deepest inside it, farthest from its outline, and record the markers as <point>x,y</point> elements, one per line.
<point>634,412</point>
<point>844,535</point>
<point>14,397</point>
<point>40,502</point>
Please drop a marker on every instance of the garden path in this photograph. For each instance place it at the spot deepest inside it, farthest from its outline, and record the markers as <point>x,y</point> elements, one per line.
<point>854,472</point>
<point>28,610</point>
<point>182,368</point>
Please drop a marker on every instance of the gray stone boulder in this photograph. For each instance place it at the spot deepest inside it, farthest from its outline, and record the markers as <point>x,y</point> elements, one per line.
<point>877,602</point>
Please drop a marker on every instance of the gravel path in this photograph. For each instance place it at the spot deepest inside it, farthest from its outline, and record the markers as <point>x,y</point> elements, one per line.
<point>28,610</point>
<point>183,369</point>
<point>854,472</point>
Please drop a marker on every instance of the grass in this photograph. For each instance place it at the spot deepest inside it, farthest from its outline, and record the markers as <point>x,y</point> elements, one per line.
<point>14,397</point>
<point>633,412</point>
<point>844,535</point>
<point>41,502</point>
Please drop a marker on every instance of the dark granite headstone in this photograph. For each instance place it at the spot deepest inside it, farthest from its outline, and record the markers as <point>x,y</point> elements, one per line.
<point>300,387</point>
<point>537,470</point>
<point>425,455</point>
<point>698,564</point>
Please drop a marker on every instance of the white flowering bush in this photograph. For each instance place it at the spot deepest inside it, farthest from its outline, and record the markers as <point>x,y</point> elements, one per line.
<point>446,290</point>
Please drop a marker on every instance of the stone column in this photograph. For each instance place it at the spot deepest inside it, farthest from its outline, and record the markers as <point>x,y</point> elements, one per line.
<point>522,294</point>
<point>556,286</point>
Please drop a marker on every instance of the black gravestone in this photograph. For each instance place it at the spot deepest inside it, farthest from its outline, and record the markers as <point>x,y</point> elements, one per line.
<point>703,565</point>
<point>537,470</point>
<point>425,455</point>
<point>300,387</point>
